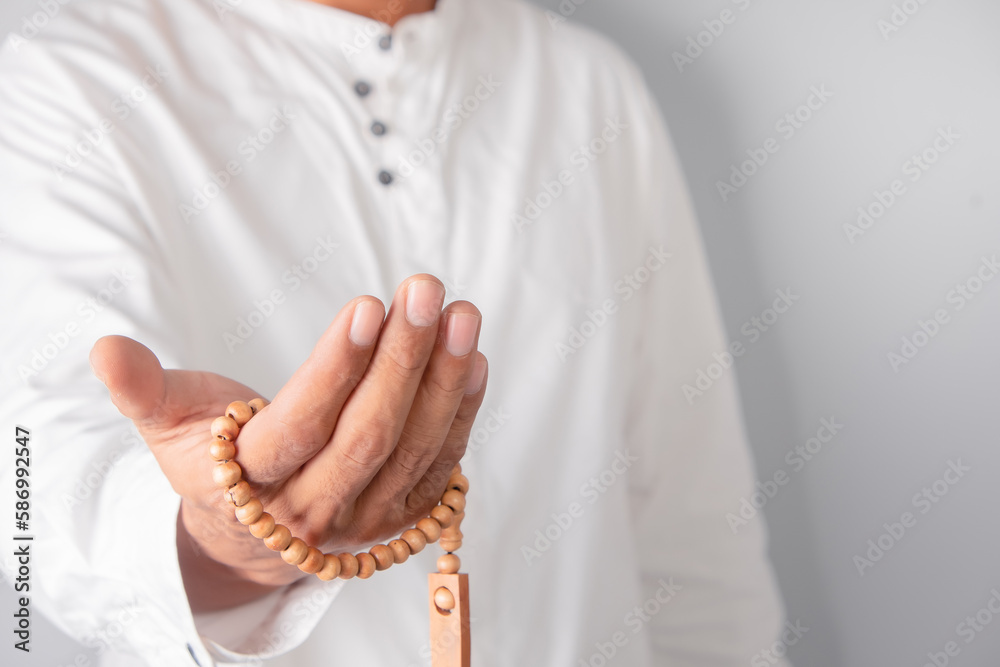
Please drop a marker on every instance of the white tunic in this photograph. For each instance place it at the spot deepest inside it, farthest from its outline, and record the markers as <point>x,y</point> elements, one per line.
<point>216,179</point>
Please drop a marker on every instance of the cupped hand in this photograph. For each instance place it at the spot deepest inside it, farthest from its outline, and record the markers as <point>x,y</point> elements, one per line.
<point>356,446</point>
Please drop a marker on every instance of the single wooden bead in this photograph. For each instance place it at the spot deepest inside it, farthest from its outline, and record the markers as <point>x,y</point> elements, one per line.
<point>383,556</point>
<point>449,564</point>
<point>444,599</point>
<point>450,544</point>
<point>314,561</point>
<point>430,528</point>
<point>456,524</point>
<point>451,537</point>
<point>225,429</point>
<point>366,565</point>
<point>452,532</point>
<point>454,499</point>
<point>415,539</point>
<point>400,551</point>
<point>240,412</point>
<point>459,482</point>
<point>226,474</point>
<point>263,526</point>
<point>296,552</point>
<point>250,512</point>
<point>239,494</point>
<point>331,568</point>
<point>257,404</point>
<point>279,539</point>
<point>444,515</point>
<point>222,450</point>
<point>348,566</point>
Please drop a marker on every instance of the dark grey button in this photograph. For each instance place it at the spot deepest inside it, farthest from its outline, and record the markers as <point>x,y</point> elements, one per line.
<point>384,177</point>
<point>385,42</point>
<point>378,128</point>
<point>362,88</point>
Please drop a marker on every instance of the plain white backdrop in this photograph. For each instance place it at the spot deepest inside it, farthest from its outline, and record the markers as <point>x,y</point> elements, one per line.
<point>886,80</point>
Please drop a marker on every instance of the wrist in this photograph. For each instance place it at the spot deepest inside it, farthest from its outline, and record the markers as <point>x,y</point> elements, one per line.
<point>220,567</point>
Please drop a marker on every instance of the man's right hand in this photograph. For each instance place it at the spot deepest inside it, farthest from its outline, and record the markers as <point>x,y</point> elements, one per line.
<point>356,447</point>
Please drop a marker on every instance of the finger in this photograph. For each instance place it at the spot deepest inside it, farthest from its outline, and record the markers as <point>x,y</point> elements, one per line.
<point>434,406</point>
<point>163,404</point>
<point>132,374</point>
<point>373,418</point>
<point>301,419</point>
<point>427,492</point>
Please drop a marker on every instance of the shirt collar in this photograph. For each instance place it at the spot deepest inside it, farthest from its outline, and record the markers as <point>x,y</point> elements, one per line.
<point>418,35</point>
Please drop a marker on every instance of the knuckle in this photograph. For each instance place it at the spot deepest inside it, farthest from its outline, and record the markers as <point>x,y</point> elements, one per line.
<point>445,387</point>
<point>364,450</point>
<point>350,375</point>
<point>400,363</point>
<point>295,440</point>
<point>408,460</point>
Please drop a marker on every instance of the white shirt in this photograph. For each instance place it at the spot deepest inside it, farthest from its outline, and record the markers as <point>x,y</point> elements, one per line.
<point>205,178</point>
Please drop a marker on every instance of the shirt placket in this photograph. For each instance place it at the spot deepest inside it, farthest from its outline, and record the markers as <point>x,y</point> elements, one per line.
<point>412,211</point>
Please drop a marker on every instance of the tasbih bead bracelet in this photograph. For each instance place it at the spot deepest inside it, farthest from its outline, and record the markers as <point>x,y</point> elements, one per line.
<point>449,590</point>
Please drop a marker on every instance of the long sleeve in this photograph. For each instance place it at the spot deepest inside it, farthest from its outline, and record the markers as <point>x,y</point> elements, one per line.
<point>723,606</point>
<point>80,259</point>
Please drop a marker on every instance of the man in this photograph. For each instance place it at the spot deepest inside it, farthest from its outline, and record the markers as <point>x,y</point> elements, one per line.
<point>212,181</point>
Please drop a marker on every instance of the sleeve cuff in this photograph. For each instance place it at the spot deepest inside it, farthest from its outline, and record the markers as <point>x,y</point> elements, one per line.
<point>270,626</point>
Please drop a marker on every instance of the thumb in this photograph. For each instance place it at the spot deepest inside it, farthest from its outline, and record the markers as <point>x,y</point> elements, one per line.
<point>132,374</point>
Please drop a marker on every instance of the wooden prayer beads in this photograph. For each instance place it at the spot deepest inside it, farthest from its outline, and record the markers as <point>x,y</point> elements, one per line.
<point>449,590</point>
<point>442,524</point>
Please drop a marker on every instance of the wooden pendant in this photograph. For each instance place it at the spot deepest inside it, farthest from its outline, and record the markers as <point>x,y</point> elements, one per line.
<point>450,637</point>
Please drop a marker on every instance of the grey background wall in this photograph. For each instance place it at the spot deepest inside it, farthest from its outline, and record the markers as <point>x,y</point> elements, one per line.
<point>904,92</point>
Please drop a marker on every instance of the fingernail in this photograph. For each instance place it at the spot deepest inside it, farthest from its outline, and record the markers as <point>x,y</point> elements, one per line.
<point>477,377</point>
<point>424,299</point>
<point>460,333</point>
<point>366,323</point>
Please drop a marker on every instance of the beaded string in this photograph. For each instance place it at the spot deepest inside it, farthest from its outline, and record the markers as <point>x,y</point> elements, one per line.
<point>443,523</point>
